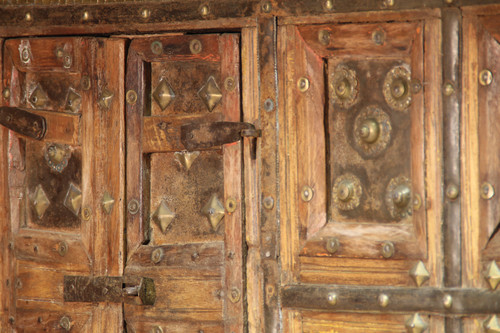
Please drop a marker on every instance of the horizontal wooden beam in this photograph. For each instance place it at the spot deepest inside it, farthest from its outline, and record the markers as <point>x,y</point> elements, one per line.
<point>337,298</point>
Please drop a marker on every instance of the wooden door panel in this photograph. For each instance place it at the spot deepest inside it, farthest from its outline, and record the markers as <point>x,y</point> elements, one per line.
<point>360,95</point>
<point>56,185</point>
<point>187,233</point>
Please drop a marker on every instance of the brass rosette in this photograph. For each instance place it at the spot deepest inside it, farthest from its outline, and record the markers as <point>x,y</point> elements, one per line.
<point>347,192</point>
<point>344,87</point>
<point>57,156</point>
<point>372,131</point>
<point>398,197</point>
<point>397,88</point>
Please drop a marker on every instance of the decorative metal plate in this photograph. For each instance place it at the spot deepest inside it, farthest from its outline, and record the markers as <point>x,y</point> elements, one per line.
<point>397,88</point>
<point>398,197</point>
<point>57,156</point>
<point>344,87</point>
<point>347,192</point>
<point>163,94</point>
<point>210,94</point>
<point>73,199</point>
<point>372,131</point>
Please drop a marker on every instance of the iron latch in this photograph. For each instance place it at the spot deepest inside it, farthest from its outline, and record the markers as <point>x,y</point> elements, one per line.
<point>23,122</point>
<point>107,289</point>
<point>206,135</point>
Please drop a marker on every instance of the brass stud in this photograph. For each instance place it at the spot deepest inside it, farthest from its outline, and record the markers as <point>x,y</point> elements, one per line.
<point>332,298</point>
<point>266,7</point>
<point>344,86</point>
<point>416,324</point>
<point>229,83</point>
<point>234,295</point>
<point>396,89</point>
<point>417,201</point>
<point>65,323</point>
<point>307,193</point>
<point>419,273</point>
<point>383,300</point>
<point>25,55</point>
<point>447,301</point>
<point>231,205</point>
<point>67,61</point>
<point>85,16</point>
<point>388,3</point>
<point>6,93</point>
<point>491,324</point>
<point>85,82</point>
<point>28,17</point>
<point>347,192</point>
<point>73,200</point>
<point>107,202</point>
<point>268,203</point>
<point>40,201</point>
<point>449,2</point>
<point>485,77</point>
<point>204,10</point>
<point>416,86</point>
<point>157,329</point>
<point>59,52</point>
<point>401,196</point>
<point>388,249</point>
<point>163,216</point>
<point>210,94</point>
<point>452,191</point>
<point>487,191</point>
<point>157,47</point>
<point>145,13</point>
<point>157,255</point>
<point>163,94</point>
<point>332,245</point>
<point>324,37</point>
<point>448,89</point>
<point>369,131</point>
<point>269,105</point>
<point>186,158</point>
<point>133,206</point>
<point>195,46</point>
<point>328,5</point>
<point>86,213</point>
<point>398,197</point>
<point>62,248</point>
<point>214,211</point>
<point>131,97</point>
<point>303,84</point>
<point>378,37</point>
<point>492,274</point>
<point>105,99</point>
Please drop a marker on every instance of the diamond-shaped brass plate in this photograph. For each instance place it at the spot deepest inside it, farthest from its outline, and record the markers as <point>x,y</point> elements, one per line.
<point>74,101</point>
<point>38,98</point>
<point>415,324</point>
<point>491,324</point>
<point>107,202</point>
<point>419,273</point>
<point>210,94</point>
<point>73,199</point>
<point>40,201</point>
<point>492,274</point>
<point>214,211</point>
<point>163,216</point>
<point>105,99</point>
<point>163,94</point>
<point>186,158</point>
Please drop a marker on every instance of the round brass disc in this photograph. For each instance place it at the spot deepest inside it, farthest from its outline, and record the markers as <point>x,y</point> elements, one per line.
<point>344,87</point>
<point>398,197</point>
<point>347,192</point>
<point>397,88</point>
<point>372,131</point>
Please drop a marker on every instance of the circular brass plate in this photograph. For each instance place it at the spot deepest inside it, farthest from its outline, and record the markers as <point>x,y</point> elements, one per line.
<point>307,193</point>
<point>157,47</point>
<point>485,77</point>
<point>268,203</point>
<point>86,213</point>
<point>397,88</point>
<point>229,83</point>
<point>324,37</point>
<point>157,329</point>
<point>62,248</point>
<point>332,245</point>
<point>234,295</point>
<point>375,114</point>
<point>65,323</point>
<point>6,93</point>
<point>303,84</point>
<point>487,191</point>
<point>231,205</point>
<point>133,206</point>
<point>131,97</point>
<point>387,249</point>
<point>344,87</point>
<point>85,82</point>
<point>157,255</point>
<point>396,211</point>
<point>352,200</point>
<point>195,46</point>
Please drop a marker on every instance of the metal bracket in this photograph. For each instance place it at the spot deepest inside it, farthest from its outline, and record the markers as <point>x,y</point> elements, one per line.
<point>206,135</point>
<point>107,289</point>
<point>23,122</point>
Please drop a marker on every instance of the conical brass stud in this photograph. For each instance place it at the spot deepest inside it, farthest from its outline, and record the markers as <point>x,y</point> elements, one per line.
<point>74,101</point>
<point>40,201</point>
<point>415,324</point>
<point>107,202</point>
<point>163,94</point>
<point>491,324</point>
<point>105,99</point>
<point>38,98</point>
<point>186,158</point>
<point>210,94</point>
<point>419,273</point>
<point>214,211</point>
<point>492,274</point>
<point>163,216</point>
<point>73,199</point>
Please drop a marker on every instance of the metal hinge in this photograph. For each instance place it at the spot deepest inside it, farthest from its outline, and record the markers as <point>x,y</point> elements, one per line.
<point>107,289</point>
<point>23,122</point>
<point>206,135</point>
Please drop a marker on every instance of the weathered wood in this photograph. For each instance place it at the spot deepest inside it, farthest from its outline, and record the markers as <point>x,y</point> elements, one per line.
<point>401,300</point>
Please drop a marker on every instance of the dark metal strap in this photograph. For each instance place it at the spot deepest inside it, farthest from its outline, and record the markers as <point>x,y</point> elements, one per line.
<point>23,122</point>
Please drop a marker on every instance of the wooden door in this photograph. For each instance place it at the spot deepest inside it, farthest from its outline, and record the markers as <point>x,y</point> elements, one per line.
<point>184,208</point>
<point>53,183</point>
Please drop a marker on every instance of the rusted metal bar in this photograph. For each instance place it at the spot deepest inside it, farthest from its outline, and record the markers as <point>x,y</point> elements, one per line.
<point>23,122</point>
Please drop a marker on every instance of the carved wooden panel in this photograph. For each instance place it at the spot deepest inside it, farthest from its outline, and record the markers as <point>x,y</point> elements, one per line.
<point>361,180</point>
<point>56,185</point>
<point>184,207</point>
